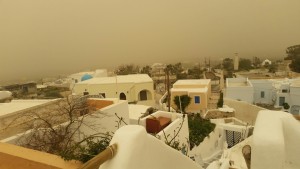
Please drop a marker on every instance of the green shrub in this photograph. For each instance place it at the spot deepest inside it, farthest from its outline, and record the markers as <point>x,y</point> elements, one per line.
<point>199,128</point>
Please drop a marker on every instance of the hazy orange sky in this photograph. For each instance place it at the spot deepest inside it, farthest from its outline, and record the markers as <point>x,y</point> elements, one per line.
<point>48,37</point>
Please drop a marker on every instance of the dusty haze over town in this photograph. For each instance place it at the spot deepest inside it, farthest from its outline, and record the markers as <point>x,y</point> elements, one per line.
<point>44,37</point>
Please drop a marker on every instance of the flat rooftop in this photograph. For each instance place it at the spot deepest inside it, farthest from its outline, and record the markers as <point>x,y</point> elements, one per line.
<point>18,105</point>
<point>261,80</point>
<point>135,78</point>
<point>238,84</point>
<point>296,83</point>
<point>190,90</point>
<point>192,82</point>
<point>136,111</point>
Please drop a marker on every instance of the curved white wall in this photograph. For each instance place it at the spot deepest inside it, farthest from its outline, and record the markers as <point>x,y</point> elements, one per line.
<point>139,150</point>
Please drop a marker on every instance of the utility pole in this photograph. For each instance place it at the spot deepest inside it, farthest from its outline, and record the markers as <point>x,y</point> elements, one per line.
<point>180,104</point>
<point>168,89</point>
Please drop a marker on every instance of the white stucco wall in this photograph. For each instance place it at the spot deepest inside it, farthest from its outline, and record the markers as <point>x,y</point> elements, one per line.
<point>239,89</point>
<point>243,110</point>
<point>176,118</point>
<point>295,96</point>
<point>5,94</point>
<point>210,146</point>
<point>102,121</point>
<point>266,87</point>
<point>183,133</point>
<point>139,150</point>
<point>240,93</point>
<point>291,138</point>
<point>274,141</point>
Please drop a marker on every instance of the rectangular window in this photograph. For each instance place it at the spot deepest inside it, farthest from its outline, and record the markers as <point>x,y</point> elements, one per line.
<point>197,99</point>
<point>281,101</point>
<point>262,94</point>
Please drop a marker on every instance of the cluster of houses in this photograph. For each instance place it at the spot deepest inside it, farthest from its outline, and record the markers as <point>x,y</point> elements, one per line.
<point>125,104</point>
<point>275,92</point>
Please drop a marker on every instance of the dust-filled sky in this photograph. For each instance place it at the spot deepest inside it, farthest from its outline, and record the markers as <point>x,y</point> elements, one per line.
<point>48,37</point>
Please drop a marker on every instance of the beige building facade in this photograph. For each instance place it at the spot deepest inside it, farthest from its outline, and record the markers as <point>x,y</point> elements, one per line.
<point>198,90</point>
<point>137,88</point>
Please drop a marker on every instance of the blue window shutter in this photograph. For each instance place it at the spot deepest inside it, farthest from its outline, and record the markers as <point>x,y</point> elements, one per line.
<point>197,99</point>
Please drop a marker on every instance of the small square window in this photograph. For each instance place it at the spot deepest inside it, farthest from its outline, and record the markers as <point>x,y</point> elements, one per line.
<point>197,99</point>
<point>262,94</point>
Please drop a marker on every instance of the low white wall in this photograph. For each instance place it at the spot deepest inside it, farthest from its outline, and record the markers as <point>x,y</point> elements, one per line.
<point>291,134</point>
<point>139,150</point>
<point>105,120</point>
<point>243,110</point>
<point>102,121</point>
<point>240,93</point>
<point>276,141</point>
<point>210,146</point>
<point>172,128</point>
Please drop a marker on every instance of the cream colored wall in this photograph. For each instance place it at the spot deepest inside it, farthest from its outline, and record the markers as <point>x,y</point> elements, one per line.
<point>131,90</point>
<point>109,90</point>
<point>203,96</point>
<point>142,86</point>
<point>13,157</point>
<point>193,107</point>
<point>209,90</point>
<point>190,86</point>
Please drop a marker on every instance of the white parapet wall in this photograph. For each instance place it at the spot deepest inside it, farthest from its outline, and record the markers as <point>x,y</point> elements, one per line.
<point>275,141</point>
<point>168,133</point>
<point>139,150</point>
<point>243,110</point>
<point>102,121</point>
<point>210,147</point>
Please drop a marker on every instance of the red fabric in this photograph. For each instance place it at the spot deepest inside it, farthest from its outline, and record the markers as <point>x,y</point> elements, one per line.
<point>155,125</point>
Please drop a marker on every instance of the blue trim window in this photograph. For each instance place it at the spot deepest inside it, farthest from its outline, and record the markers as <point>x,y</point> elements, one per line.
<point>197,99</point>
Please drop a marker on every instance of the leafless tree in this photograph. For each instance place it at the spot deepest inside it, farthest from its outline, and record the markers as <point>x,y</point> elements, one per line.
<point>57,130</point>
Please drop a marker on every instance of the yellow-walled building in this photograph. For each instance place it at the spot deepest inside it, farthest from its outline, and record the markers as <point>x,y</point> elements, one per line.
<point>136,88</point>
<point>199,90</point>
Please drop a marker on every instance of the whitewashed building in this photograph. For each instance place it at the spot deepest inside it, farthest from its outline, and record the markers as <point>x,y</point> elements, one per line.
<point>266,62</point>
<point>274,144</point>
<point>295,98</point>
<point>288,91</point>
<point>239,89</point>
<point>264,91</point>
<point>5,96</point>
<point>137,88</point>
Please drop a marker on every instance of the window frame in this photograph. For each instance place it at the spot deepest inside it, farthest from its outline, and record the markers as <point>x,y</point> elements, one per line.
<point>197,100</point>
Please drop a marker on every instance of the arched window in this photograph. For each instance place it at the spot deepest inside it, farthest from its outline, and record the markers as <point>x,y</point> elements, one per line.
<point>122,96</point>
<point>144,95</point>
